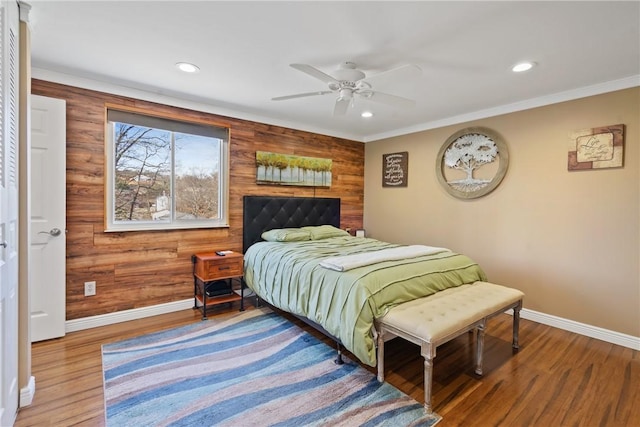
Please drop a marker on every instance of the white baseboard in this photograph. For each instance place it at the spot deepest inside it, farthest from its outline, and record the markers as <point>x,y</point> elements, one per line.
<point>582,329</point>
<point>126,315</point>
<point>27,392</point>
<point>546,319</point>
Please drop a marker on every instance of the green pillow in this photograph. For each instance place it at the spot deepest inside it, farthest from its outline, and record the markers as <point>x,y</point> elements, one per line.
<point>325,231</point>
<point>286,235</point>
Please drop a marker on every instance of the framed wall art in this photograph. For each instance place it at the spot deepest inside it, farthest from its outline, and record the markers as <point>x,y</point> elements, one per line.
<point>596,148</point>
<point>285,169</point>
<point>395,169</point>
<point>472,162</point>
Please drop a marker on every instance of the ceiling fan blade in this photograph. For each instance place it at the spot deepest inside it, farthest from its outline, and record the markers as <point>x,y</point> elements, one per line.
<point>341,106</point>
<point>399,73</point>
<point>385,98</point>
<point>301,95</point>
<point>314,72</point>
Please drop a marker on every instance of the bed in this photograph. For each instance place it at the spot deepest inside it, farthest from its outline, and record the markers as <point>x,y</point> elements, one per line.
<point>295,274</point>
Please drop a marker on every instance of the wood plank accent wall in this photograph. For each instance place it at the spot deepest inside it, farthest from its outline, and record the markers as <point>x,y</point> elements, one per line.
<point>143,268</point>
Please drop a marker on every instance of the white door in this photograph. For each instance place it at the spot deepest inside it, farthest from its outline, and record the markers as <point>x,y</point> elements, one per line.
<point>48,203</point>
<point>9,87</point>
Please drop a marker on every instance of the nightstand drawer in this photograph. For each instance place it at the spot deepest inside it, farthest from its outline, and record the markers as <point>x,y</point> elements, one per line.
<point>213,267</point>
<point>220,268</point>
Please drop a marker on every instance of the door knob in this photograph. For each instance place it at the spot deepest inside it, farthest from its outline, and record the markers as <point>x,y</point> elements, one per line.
<point>53,232</point>
<point>4,244</point>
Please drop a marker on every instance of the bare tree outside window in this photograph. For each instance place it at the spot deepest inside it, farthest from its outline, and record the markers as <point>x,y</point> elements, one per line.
<point>196,177</point>
<point>142,170</point>
<point>164,179</point>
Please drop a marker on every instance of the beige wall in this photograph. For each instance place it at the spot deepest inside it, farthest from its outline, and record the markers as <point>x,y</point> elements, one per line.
<point>569,240</point>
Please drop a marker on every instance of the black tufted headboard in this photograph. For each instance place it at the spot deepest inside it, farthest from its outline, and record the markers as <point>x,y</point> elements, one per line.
<point>263,213</point>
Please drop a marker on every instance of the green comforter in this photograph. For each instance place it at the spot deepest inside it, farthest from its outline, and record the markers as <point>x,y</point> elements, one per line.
<point>288,276</point>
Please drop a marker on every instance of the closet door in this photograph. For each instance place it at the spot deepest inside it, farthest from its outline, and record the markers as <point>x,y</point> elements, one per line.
<point>9,64</point>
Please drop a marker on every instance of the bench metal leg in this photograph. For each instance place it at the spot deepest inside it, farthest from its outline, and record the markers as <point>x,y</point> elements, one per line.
<point>428,352</point>
<point>428,381</point>
<point>339,360</point>
<point>381,355</point>
<point>516,325</point>
<point>480,346</point>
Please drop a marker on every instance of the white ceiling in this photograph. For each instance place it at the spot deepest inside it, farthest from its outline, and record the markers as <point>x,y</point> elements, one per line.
<point>465,51</point>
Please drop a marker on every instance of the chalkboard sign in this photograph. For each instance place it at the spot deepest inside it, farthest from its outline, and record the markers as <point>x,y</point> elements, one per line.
<point>395,169</point>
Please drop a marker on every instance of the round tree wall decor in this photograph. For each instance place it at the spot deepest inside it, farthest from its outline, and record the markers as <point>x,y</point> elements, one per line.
<point>472,162</point>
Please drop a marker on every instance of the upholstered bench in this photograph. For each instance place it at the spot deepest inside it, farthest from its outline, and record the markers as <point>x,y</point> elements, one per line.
<point>438,318</point>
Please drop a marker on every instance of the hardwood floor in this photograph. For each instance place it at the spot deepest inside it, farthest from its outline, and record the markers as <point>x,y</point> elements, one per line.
<point>556,379</point>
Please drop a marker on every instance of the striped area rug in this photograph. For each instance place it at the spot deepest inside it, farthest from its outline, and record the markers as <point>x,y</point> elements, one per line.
<point>249,369</point>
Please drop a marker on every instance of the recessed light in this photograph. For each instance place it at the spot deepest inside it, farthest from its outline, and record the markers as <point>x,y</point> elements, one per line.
<point>367,114</point>
<point>187,67</point>
<point>523,66</point>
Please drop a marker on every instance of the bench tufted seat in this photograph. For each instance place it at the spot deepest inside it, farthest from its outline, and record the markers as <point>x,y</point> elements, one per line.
<point>438,318</point>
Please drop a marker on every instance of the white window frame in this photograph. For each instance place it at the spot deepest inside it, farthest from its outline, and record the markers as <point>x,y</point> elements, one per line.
<point>172,224</point>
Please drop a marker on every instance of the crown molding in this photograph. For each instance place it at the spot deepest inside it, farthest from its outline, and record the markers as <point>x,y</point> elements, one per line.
<point>570,95</point>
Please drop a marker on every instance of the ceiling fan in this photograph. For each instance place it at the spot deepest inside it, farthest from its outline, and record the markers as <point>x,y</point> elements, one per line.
<point>347,81</point>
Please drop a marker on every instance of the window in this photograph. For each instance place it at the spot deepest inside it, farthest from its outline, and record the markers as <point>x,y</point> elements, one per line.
<point>164,173</point>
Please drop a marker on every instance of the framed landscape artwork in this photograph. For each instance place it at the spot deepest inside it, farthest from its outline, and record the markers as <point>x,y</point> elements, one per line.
<point>285,169</point>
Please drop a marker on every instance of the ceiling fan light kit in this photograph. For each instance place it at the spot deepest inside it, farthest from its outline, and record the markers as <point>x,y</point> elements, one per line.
<point>347,72</point>
<point>348,81</point>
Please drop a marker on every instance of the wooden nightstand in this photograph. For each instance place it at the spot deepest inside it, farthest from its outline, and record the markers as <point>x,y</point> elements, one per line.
<point>217,273</point>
